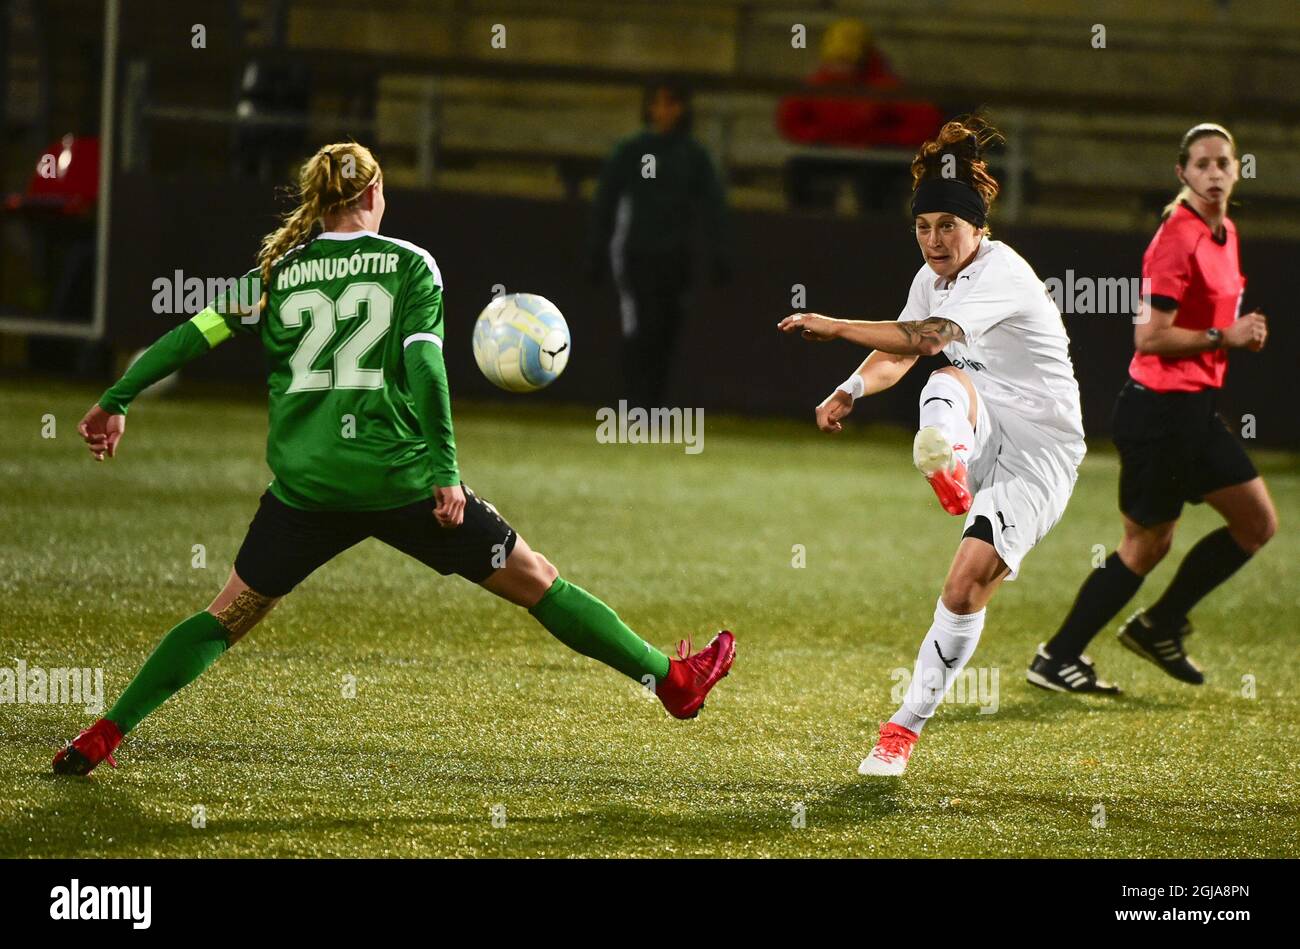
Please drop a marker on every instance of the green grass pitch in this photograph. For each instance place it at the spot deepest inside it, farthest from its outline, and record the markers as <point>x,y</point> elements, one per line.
<point>466,709</point>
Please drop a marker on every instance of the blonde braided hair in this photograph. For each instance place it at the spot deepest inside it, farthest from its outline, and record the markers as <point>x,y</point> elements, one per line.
<point>336,176</point>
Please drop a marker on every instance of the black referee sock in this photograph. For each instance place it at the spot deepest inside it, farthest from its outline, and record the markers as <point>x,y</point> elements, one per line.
<point>1102,595</point>
<point>1215,557</point>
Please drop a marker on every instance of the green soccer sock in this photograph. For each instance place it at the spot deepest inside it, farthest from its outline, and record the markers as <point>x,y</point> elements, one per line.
<point>586,625</point>
<point>190,647</point>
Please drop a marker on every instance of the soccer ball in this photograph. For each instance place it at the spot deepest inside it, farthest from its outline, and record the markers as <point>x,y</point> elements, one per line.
<point>521,342</point>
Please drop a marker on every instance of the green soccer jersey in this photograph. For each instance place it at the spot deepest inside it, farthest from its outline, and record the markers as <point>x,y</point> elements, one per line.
<point>360,416</point>
<point>344,434</point>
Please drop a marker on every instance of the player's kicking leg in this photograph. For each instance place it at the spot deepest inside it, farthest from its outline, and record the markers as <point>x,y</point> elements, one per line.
<point>975,574</point>
<point>184,653</point>
<point>946,437</point>
<point>586,625</point>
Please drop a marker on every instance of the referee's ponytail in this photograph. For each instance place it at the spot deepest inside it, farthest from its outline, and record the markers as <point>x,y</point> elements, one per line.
<point>1191,136</point>
<point>329,181</point>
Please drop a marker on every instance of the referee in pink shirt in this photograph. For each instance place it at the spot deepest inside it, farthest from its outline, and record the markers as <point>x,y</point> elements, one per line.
<point>1173,446</point>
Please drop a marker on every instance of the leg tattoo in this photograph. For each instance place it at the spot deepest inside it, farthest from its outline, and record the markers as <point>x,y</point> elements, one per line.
<point>244,612</point>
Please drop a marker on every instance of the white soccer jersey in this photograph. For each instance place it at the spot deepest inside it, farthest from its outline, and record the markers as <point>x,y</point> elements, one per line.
<point>1015,351</point>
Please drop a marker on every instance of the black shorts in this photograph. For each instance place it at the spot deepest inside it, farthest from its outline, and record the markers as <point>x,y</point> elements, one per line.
<point>285,544</point>
<point>1173,449</point>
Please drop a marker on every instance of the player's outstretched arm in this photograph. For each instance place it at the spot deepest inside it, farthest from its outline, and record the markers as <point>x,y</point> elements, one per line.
<point>103,426</point>
<point>900,337</point>
<point>877,373</point>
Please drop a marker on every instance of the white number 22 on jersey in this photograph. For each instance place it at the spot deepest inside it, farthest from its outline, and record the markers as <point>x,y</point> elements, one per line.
<point>325,314</point>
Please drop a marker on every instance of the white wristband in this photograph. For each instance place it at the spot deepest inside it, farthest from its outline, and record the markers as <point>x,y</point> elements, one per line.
<point>853,385</point>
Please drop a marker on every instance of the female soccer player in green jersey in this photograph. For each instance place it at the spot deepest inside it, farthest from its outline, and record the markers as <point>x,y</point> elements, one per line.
<point>352,324</point>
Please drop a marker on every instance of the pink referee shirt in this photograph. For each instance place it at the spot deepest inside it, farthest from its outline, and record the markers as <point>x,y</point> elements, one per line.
<point>1189,269</point>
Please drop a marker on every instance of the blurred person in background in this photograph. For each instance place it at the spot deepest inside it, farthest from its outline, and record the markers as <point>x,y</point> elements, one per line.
<point>656,187</point>
<point>849,56</point>
<point>852,66</point>
<point>56,215</point>
<point>274,103</point>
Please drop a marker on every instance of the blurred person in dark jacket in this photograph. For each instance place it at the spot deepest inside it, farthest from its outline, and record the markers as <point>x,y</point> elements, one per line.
<point>657,186</point>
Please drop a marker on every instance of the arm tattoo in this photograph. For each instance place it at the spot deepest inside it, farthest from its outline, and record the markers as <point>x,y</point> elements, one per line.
<point>933,333</point>
<point>244,612</point>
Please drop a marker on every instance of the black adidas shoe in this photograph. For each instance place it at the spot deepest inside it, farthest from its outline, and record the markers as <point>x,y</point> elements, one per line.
<point>1161,645</point>
<point>1067,675</point>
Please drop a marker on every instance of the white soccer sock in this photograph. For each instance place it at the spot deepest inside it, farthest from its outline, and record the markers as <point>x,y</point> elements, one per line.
<point>945,405</point>
<point>944,653</point>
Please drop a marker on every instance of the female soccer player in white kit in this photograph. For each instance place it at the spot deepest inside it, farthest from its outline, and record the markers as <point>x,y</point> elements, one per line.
<point>1000,436</point>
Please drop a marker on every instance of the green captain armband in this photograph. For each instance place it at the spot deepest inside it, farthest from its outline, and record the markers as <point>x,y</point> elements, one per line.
<point>210,323</point>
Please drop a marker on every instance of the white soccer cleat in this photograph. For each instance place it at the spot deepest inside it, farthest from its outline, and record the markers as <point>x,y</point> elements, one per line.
<point>931,452</point>
<point>893,749</point>
<point>935,458</point>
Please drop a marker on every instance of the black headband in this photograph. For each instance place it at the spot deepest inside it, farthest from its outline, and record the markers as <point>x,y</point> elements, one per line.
<point>949,194</point>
